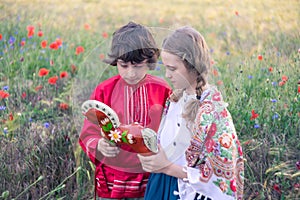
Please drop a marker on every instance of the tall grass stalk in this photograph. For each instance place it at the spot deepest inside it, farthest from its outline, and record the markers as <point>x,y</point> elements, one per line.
<point>31,185</point>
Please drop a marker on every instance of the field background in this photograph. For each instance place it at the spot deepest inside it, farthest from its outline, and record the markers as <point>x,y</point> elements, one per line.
<point>255,47</point>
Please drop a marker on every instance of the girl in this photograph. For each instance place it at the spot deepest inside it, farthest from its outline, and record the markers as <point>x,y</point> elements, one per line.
<point>200,156</point>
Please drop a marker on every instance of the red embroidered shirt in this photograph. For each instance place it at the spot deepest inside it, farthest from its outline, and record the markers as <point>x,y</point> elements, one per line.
<point>122,176</point>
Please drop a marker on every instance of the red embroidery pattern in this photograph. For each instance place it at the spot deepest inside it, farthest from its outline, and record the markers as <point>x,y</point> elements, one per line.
<point>215,149</point>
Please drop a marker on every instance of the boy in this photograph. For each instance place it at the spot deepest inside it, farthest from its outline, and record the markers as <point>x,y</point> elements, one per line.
<point>136,97</point>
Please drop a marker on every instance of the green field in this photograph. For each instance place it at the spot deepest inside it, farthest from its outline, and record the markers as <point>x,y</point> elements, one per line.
<point>255,47</point>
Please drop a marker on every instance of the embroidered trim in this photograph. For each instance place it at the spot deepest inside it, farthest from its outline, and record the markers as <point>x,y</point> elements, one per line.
<point>222,168</point>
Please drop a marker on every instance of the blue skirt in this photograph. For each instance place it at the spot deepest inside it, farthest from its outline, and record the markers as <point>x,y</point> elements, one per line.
<point>161,187</point>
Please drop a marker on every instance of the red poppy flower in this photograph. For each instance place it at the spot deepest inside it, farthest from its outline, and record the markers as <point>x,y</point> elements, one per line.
<point>299,89</point>
<point>52,80</point>
<point>22,43</point>
<point>63,74</point>
<point>23,95</point>
<point>236,13</point>
<point>87,26</point>
<point>53,46</point>
<point>44,44</point>
<point>30,31</point>
<point>30,28</point>
<point>63,106</point>
<point>73,69</point>
<point>270,69</point>
<point>10,117</point>
<point>105,34</point>
<point>276,187</point>
<point>253,115</point>
<point>79,50</point>
<point>1,36</point>
<point>101,56</point>
<point>3,94</point>
<point>284,78</point>
<point>40,33</point>
<point>281,83</point>
<point>58,42</point>
<point>39,87</point>
<point>215,72</point>
<point>43,72</point>
<point>219,82</point>
<point>161,20</point>
<point>259,57</point>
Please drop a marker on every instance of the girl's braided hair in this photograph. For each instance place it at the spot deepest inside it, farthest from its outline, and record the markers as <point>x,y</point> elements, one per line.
<point>190,46</point>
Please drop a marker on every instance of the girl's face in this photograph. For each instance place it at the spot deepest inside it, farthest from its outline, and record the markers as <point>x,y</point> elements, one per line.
<point>179,76</point>
<point>132,73</point>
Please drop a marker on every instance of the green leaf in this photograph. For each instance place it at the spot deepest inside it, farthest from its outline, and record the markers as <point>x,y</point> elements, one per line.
<point>124,136</point>
<point>112,142</point>
<point>226,154</point>
<point>107,127</point>
<point>5,194</point>
<point>59,100</point>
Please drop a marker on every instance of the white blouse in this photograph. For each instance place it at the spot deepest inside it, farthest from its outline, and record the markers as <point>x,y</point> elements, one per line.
<point>173,135</point>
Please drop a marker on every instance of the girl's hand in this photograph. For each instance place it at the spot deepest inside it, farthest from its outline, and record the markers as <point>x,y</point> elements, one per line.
<point>156,163</point>
<point>107,150</point>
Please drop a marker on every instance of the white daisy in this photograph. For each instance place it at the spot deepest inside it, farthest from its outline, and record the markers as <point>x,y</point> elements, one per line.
<point>129,136</point>
<point>115,135</point>
<point>130,141</point>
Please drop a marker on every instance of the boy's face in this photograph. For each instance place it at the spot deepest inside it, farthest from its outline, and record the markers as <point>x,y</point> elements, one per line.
<point>132,73</point>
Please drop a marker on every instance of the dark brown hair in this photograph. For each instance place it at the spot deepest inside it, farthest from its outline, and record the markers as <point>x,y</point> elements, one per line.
<point>133,43</point>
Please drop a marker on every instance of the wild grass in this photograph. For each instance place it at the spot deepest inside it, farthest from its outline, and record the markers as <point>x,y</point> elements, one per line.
<point>255,47</point>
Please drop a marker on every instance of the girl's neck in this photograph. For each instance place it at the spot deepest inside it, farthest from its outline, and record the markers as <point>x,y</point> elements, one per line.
<point>190,92</point>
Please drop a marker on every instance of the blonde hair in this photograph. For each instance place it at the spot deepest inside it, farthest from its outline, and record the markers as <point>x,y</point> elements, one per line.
<point>189,45</point>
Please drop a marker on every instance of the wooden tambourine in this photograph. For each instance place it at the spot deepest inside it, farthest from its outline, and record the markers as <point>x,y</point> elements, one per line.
<point>140,139</point>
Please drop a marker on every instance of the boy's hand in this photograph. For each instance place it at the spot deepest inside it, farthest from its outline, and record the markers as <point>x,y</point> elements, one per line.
<point>108,150</point>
